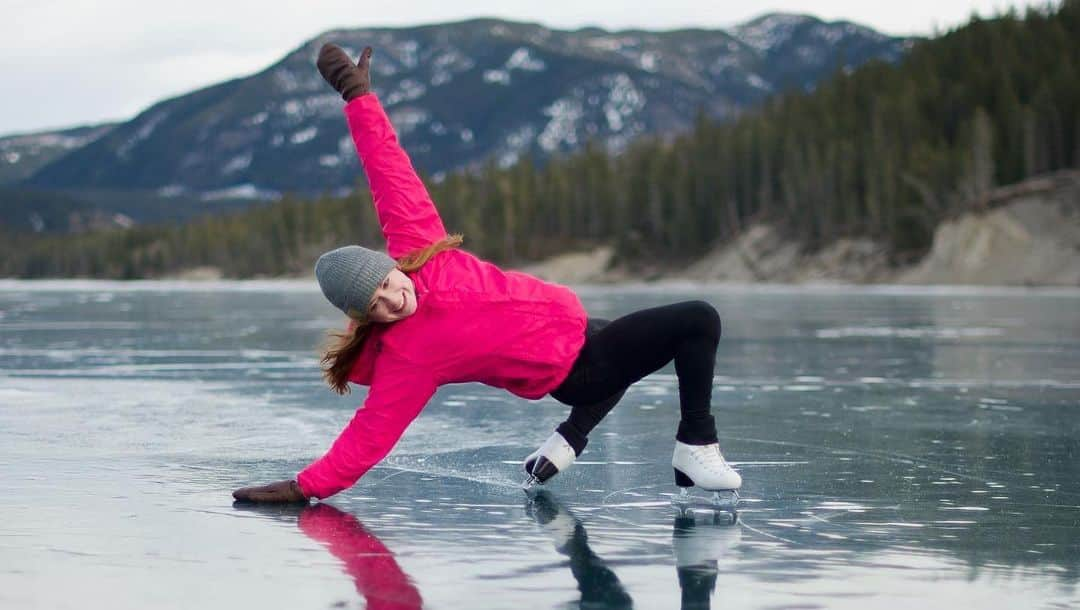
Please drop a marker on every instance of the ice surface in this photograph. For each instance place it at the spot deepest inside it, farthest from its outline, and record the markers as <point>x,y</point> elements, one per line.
<point>899,448</point>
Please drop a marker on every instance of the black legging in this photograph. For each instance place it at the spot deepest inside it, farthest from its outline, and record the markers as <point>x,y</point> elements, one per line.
<point>619,353</point>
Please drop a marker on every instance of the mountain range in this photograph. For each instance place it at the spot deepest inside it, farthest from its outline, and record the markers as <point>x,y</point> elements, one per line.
<point>460,94</point>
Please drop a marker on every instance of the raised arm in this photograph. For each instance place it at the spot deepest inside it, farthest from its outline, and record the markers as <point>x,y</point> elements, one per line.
<point>406,213</point>
<point>396,397</point>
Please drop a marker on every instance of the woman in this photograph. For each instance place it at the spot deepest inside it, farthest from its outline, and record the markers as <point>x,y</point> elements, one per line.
<point>430,314</point>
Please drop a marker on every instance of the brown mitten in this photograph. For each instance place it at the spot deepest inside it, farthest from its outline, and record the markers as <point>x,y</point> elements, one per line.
<point>280,492</point>
<point>349,80</point>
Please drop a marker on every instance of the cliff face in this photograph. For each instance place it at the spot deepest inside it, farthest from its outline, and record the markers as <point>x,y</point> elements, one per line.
<point>762,254</point>
<point>1030,235</point>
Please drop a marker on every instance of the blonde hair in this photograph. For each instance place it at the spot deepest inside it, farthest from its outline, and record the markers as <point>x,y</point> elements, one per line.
<point>342,348</point>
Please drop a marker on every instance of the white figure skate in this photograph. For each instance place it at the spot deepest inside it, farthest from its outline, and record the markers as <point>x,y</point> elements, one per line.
<point>704,466</point>
<point>553,457</point>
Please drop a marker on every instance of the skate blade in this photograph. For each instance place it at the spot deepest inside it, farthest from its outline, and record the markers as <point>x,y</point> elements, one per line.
<point>716,503</point>
<point>530,483</point>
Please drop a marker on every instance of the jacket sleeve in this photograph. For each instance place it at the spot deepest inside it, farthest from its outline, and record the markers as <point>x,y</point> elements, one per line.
<point>406,212</point>
<point>395,399</point>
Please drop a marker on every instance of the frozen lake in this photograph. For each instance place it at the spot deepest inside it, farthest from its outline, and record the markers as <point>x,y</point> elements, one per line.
<point>900,448</point>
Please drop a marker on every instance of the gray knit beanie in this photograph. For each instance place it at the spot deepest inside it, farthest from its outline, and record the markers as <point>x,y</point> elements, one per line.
<point>349,277</point>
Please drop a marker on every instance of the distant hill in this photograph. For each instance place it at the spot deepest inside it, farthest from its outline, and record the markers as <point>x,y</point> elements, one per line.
<point>459,93</point>
<point>23,154</point>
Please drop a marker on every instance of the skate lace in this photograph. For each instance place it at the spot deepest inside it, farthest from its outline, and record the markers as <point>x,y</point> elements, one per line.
<point>710,457</point>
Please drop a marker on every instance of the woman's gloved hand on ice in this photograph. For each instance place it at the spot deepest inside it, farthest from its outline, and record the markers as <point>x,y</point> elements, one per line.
<point>280,492</point>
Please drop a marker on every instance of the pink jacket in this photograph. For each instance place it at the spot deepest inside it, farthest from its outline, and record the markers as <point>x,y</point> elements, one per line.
<point>473,321</point>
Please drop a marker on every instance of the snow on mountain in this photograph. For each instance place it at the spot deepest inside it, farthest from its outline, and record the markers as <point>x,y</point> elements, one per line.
<point>458,93</point>
<point>21,155</point>
<point>769,31</point>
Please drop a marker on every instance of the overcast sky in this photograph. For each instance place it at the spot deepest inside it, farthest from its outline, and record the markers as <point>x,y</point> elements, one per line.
<point>65,63</point>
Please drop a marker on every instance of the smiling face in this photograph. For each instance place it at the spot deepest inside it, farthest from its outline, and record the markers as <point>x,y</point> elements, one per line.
<point>394,299</point>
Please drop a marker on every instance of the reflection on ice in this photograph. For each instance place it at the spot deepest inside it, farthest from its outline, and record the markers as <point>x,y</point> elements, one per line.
<point>598,583</point>
<point>378,577</point>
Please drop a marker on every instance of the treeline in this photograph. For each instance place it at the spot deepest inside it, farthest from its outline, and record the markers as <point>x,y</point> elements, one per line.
<point>886,151</point>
